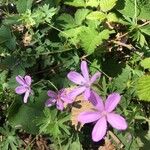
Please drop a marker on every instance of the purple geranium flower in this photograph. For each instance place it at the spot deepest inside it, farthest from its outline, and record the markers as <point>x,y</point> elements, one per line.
<point>102,114</point>
<point>83,80</point>
<point>59,98</point>
<point>24,87</point>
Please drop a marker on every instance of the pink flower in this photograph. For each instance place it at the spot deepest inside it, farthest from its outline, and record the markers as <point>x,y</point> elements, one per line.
<point>103,113</point>
<point>24,87</point>
<point>59,98</point>
<point>83,80</point>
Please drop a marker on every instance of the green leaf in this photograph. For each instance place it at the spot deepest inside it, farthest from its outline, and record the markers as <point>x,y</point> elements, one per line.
<point>146,29</point>
<point>90,39</point>
<point>146,63</point>
<point>127,8</point>
<point>75,3</point>
<point>107,5</point>
<point>120,83</point>
<point>96,15</point>
<point>112,17</point>
<point>23,5</point>
<point>72,34</point>
<point>66,21</point>
<point>80,15</point>
<point>143,88</point>
<point>92,3</point>
<point>24,115</point>
<point>7,38</point>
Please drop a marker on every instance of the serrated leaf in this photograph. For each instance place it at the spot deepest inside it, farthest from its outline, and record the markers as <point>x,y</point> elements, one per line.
<point>90,39</point>
<point>72,34</point>
<point>24,115</point>
<point>92,3</point>
<point>143,88</point>
<point>146,29</point>
<point>7,37</point>
<point>146,63</point>
<point>120,83</point>
<point>112,17</point>
<point>96,15</point>
<point>126,8</point>
<point>23,5</point>
<point>75,3</point>
<point>66,21</point>
<point>80,15</point>
<point>107,5</point>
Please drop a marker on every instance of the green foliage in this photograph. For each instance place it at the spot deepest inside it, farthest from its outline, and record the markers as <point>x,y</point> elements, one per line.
<point>95,38</point>
<point>143,88</point>
<point>10,139</point>
<point>121,82</point>
<point>46,39</point>
<point>107,5</point>
<point>24,115</point>
<point>23,5</point>
<point>127,8</point>
<point>52,119</point>
<point>96,15</point>
<point>7,38</point>
<point>145,63</point>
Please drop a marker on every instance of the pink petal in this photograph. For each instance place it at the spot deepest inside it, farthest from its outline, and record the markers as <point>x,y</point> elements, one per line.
<point>59,105</point>
<point>88,116</point>
<point>97,101</point>
<point>20,80</point>
<point>28,80</point>
<point>117,121</point>
<point>76,78</point>
<point>50,102</point>
<point>84,70</point>
<point>112,101</point>
<point>95,77</point>
<point>26,96</point>
<point>52,94</point>
<point>87,93</point>
<point>75,92</point>
<point>20,89</point>
<point>99,129</point>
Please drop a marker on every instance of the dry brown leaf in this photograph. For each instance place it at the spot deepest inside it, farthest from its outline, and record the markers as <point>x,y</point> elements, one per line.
<point>107,146</point>
<point>80,105</point>
<point>27,39</point>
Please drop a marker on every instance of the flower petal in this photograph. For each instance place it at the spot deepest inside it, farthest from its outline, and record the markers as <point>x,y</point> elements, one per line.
<point>20,80</point>
<point>20,89</point>
<point>59,105</point>
<point>50,102</point>
<point>99,129</point>
<point>88,116</point>
<point>97,101</point>
<point>75,92</point>
<point>112,101</point>
<point>95,77</point>
<point>76,78</point>
<point>87,93</point>
<point>28,80</point>
<point>84,70</point>
<point>117,121</point>
<point>26,96</point>
<point>51,94</point>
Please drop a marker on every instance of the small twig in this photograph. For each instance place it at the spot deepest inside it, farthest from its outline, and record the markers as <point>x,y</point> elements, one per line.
<point>123,35</point>
<point>144,24</point>
<point>130,47</point>
<point>116,139</point>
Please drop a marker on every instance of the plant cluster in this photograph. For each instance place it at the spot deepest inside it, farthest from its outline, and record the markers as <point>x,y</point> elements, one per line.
<point>45,103</point>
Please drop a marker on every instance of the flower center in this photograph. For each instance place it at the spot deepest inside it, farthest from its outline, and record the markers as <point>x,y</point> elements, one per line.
<point>104,113</point>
